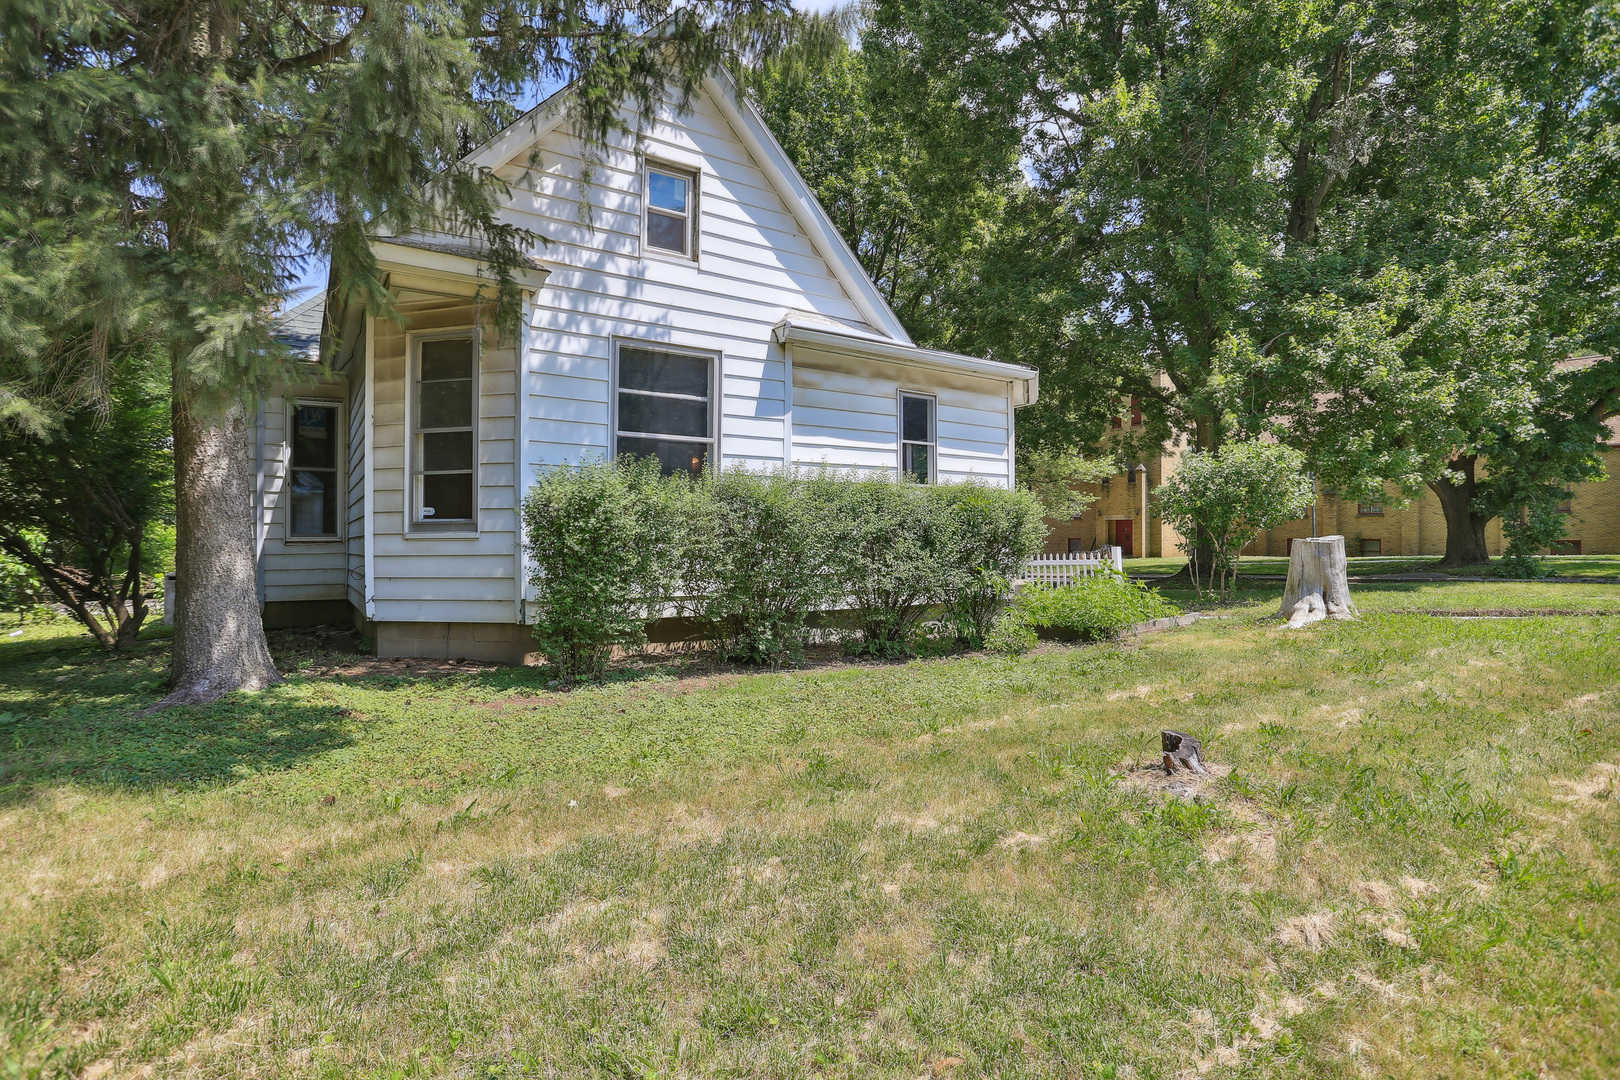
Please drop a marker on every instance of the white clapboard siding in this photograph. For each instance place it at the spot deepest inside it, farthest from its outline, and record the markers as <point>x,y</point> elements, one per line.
<point>435,578</point>
<point>845,414</point>
<point>296,569</point>
<point>355,503</point>
<point>754,265</point>
<point>1067,567</point>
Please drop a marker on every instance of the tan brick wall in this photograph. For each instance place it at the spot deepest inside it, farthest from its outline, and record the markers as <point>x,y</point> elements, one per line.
<point>1417,528</point>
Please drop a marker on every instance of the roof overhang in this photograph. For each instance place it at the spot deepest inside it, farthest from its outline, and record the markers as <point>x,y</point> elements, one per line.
<point>424,269</point>
<point>787,332</point>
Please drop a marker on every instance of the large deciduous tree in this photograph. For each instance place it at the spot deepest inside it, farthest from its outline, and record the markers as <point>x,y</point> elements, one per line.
<point>165,165</point>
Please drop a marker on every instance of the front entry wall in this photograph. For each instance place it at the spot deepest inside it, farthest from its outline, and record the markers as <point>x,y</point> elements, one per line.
<point>419,577</point>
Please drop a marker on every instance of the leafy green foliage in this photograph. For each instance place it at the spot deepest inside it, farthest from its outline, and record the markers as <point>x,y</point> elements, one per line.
<point>604,543</point>
<point>1094,608</point>
<point>758,560</point>
<point>756,556</point>
<point>1227,498</point>
<point>76,504</point>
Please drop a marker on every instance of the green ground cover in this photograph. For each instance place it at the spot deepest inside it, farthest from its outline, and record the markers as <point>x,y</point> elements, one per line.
<point>1595,567</point>
<point>863,870</point>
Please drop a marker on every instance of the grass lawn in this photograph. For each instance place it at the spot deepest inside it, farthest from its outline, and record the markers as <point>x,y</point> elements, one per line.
<point>1594,567</point>
<point>959,867</point>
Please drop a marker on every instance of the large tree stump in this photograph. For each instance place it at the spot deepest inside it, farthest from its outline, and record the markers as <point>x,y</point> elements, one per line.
<point>1318,587</point>
<point>1182,753</point>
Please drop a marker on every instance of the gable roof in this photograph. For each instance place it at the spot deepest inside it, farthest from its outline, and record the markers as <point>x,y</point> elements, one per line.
<point>767,153</point>
<point>299,327</point>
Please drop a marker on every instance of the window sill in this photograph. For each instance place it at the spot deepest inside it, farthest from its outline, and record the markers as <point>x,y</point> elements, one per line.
<point>312,539</point>
<point>420,530</point>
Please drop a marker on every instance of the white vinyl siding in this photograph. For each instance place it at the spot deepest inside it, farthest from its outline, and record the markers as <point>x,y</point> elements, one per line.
<point>844,416</point>
<point>294,568</point>
<point>423,577</point>
<point>752,264</point>
<point>356,501</point>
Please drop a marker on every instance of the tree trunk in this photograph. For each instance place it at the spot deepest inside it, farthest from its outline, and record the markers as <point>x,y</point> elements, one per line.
<point>1318,587</point>
<point>1465,530</point>
<point>219,643</point>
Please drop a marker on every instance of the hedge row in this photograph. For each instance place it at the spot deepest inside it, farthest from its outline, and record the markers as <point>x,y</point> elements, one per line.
<point>756,557</point>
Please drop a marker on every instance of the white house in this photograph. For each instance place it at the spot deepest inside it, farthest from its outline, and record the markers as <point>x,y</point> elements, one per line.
<point>694,303</point>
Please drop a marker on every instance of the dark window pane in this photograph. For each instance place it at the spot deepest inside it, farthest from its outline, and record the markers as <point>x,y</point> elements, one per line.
<point>448,495</point>
<point>667,373</point>
<point>663,416</point>
<point>675,457</point>
<point>314,503</point>
<point>666,192</point>
<point>449,358</point>
<point>666,232</point>
<point>314,443</point>
<point>445,404</point>
<point>917,462</point>
<point>914,419</point>
<point>446,451</point>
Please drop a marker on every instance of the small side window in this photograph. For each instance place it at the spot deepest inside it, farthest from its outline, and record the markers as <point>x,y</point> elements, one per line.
<point>1369,509</point>
<point>313,484</point>
<point>670,205</point>
<point>917,440</point>
<point>1370,546</point>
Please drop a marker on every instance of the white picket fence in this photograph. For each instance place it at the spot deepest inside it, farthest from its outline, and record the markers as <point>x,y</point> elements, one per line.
<point>1067,567</point>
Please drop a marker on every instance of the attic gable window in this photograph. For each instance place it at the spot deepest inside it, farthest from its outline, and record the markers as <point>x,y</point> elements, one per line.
<point>671,199</point>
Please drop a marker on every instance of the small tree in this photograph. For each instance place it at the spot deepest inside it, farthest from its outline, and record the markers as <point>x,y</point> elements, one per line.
<point>1230,496</point>
<point>76,502</point>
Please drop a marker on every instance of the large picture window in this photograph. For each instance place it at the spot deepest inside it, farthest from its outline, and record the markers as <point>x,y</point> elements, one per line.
<point>313,498</point>
<point>917,442</point>
<point>671,199</point>
<point>663,408</point>
<point>444,423</point>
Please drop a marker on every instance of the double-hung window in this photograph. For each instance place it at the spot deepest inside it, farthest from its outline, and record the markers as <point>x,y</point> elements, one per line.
<point>671,200</point>
<point>313,502</point>
<point>444,420</point>
<point>917,441</point>
<point>664,408</point>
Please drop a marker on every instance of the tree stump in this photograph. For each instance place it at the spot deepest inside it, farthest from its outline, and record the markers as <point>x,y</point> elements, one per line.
<point>1182,753</point>
<point>1318,587</point>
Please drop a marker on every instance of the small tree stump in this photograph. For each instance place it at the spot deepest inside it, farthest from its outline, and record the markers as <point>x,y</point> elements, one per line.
<point>1182,753</point>
<point>1318,587</point>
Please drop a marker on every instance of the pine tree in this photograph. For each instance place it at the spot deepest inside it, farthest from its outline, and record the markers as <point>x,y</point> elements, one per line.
<point>167,165</point>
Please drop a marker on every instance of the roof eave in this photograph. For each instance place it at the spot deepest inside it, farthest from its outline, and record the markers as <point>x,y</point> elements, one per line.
<point>877,349</point>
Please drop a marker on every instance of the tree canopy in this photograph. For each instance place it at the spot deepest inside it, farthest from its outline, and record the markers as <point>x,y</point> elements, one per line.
<point>166,165</point>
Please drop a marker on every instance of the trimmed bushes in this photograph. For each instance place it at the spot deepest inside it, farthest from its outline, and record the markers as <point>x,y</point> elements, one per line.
<point>1091,609</point>
<point>757,558</point>
<point>599,540</point>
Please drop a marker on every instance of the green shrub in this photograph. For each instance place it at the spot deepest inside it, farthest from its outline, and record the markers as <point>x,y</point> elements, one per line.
<point>993,531</point>
<point>1091,609</point>
<point>891,558</point>
<point>757,561</point>
<point>605,541</point>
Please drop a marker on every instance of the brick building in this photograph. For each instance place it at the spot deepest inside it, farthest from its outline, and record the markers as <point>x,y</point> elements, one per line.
<point>1124,514</point>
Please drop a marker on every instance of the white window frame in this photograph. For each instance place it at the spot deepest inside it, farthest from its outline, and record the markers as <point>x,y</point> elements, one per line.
<point>713,357</point>
<point>415,523</point>
<point>691,176</point>
<point>340,457</point>
<point>933,431</point>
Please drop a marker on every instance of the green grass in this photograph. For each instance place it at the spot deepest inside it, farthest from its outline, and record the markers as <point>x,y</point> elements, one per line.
<point>1593,567</point>
<point>856,871</point>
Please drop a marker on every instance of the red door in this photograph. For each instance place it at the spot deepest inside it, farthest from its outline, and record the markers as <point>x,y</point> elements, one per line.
<point>1122,537</point>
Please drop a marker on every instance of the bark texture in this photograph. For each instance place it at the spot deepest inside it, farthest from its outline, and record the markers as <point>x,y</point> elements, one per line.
<point>1318,585</point>
<point>219,643</point>
<point>1182,753</point>
<point>1465,530</point>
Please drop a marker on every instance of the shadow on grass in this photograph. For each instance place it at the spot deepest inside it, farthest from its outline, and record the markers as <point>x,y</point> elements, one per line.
<point>70,713</point>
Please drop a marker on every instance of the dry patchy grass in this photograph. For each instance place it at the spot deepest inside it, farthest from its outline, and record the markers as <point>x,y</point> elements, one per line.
<point>936,868</point>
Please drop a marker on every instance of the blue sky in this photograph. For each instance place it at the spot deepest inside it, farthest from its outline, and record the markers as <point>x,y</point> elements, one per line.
<point>314,271</point>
